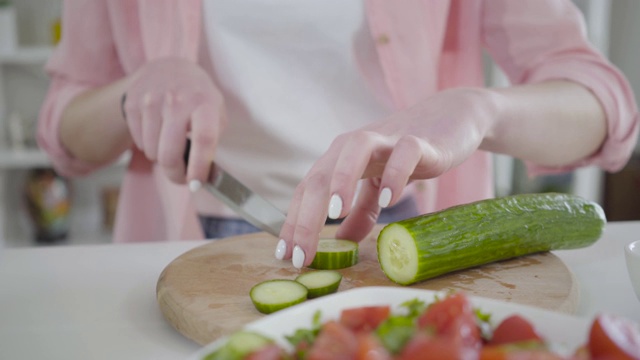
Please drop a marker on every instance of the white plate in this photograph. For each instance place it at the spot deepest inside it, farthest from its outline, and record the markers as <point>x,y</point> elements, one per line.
<point>565,332</point>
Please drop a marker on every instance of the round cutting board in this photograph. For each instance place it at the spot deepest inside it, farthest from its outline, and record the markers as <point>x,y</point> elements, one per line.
<point>204,293</point>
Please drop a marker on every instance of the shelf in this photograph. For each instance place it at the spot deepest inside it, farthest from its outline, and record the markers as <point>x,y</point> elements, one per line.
<point>23,159</point>
<point>33,158</point>
<point>27,55</point>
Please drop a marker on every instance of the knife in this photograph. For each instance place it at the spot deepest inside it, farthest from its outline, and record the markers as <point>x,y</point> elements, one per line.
<point>252,207</point>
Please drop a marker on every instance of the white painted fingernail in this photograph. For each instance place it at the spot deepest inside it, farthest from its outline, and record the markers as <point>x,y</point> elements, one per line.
<point>335,206</point>
<point>298,257</point>
<point>281,249</point>
<point>195,185</point>
<point>385,198</point>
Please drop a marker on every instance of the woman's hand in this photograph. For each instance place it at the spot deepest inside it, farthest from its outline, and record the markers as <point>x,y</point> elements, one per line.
<point>168,100</point>
<point>419,143</point>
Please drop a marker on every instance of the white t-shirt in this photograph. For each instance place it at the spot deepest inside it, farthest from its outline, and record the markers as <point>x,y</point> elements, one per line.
<point>291,82</point>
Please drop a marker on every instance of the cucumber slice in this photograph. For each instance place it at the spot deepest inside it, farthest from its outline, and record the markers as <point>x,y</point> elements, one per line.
<point>485,231</point>
<point>239,345</point>
<point>335,254</point>
<point>273,295</point>
<point>320,282</point>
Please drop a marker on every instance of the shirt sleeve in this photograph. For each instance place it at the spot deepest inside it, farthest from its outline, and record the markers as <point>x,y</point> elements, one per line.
<point>539,40</point>
<point>84,59</point>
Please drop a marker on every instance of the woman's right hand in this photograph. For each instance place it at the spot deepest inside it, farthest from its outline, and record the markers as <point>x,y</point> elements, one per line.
<point>168,100</point>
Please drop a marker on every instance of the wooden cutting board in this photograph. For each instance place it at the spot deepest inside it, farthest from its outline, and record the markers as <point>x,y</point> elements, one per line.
<point>204,293</point>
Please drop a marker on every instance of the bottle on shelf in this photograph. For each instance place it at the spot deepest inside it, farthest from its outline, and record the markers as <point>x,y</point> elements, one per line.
<point>48,199</point>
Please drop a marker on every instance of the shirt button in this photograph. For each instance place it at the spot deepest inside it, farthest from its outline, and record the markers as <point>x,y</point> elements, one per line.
<point>382,39</point>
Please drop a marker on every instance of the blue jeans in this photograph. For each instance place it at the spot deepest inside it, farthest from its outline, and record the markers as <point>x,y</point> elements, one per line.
<point>218,227</point>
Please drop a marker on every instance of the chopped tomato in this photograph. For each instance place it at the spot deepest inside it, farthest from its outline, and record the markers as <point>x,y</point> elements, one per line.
<point>514,329</point>
<point>447,329</point>
<point>424,346</point>
<point>365,318</point>
<point>370,348</point>
<point>334,342</point>
<point>269,352</point>
<point>506,352</point>
<point>453,317</point>
<point>614,338</point>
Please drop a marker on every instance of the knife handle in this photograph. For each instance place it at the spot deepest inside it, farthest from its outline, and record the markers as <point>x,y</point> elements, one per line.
<point>185,156</point>
<point>187,148</point>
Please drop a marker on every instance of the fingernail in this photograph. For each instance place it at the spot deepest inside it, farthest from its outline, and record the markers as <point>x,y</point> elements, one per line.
<point>385,198</point>
<point>281,249</point>
<point>298,257</point>
<point>195,185</point>
<point>335,206</point>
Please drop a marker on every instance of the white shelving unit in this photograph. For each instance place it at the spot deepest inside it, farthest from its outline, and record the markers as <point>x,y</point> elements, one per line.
<point>35,158</point>
<point>23,84</point>
<point>34,55</point>
<point>23,159</point>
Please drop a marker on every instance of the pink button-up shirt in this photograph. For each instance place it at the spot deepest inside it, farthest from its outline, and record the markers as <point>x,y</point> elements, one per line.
<point>423,46</point>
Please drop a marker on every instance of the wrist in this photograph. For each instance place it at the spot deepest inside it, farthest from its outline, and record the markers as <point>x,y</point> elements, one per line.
<point>495,107</point>
<point>88,127</point>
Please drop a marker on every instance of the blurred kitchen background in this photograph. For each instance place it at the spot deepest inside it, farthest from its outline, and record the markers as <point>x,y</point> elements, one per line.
<point>37,207</point>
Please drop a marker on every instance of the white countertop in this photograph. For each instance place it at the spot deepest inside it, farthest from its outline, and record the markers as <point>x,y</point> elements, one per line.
<point>98,301</point>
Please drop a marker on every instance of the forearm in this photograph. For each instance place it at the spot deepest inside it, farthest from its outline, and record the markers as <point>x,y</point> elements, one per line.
<point>92,128</point>
<point>550,124</point>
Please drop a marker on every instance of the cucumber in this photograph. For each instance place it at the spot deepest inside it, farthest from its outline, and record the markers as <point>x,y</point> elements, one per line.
<point>335,254</point>
<point>320,282</point>
<point>239,345</point>
<point>273,295</point>
<point>464,236</point>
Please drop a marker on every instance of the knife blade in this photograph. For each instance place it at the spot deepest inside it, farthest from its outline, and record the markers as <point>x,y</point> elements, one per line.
<point>250,206</point>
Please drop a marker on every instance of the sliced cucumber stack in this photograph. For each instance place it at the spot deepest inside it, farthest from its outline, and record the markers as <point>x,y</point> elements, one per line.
<point>239,345</point>
<point>273,295</point>
<point>335,254</point>
<point>320,282</point>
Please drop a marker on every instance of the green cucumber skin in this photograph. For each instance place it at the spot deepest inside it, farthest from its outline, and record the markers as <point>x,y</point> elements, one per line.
<point>497,229</point>
<point>271,308</point>
<point>334,261</point>
<point>337,260</point>
<point>239,345</point>
<point>314,292</point>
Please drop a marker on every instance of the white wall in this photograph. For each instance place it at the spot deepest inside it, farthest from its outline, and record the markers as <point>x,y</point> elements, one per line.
<point>26,87</point>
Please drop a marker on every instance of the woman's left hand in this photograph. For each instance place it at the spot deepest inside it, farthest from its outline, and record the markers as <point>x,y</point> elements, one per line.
<point>418,143</point>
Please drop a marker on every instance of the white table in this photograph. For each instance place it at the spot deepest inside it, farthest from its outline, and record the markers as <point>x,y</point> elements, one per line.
<point>98,301</point>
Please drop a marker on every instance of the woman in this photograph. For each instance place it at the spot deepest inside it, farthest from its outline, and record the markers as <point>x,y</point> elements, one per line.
<point>301,100</point>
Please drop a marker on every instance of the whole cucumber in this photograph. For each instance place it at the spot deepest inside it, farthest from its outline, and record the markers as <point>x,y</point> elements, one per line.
<point>469,235</point>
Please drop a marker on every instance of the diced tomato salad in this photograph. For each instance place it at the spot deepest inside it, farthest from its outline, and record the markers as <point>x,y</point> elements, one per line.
<point>449,328</point>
